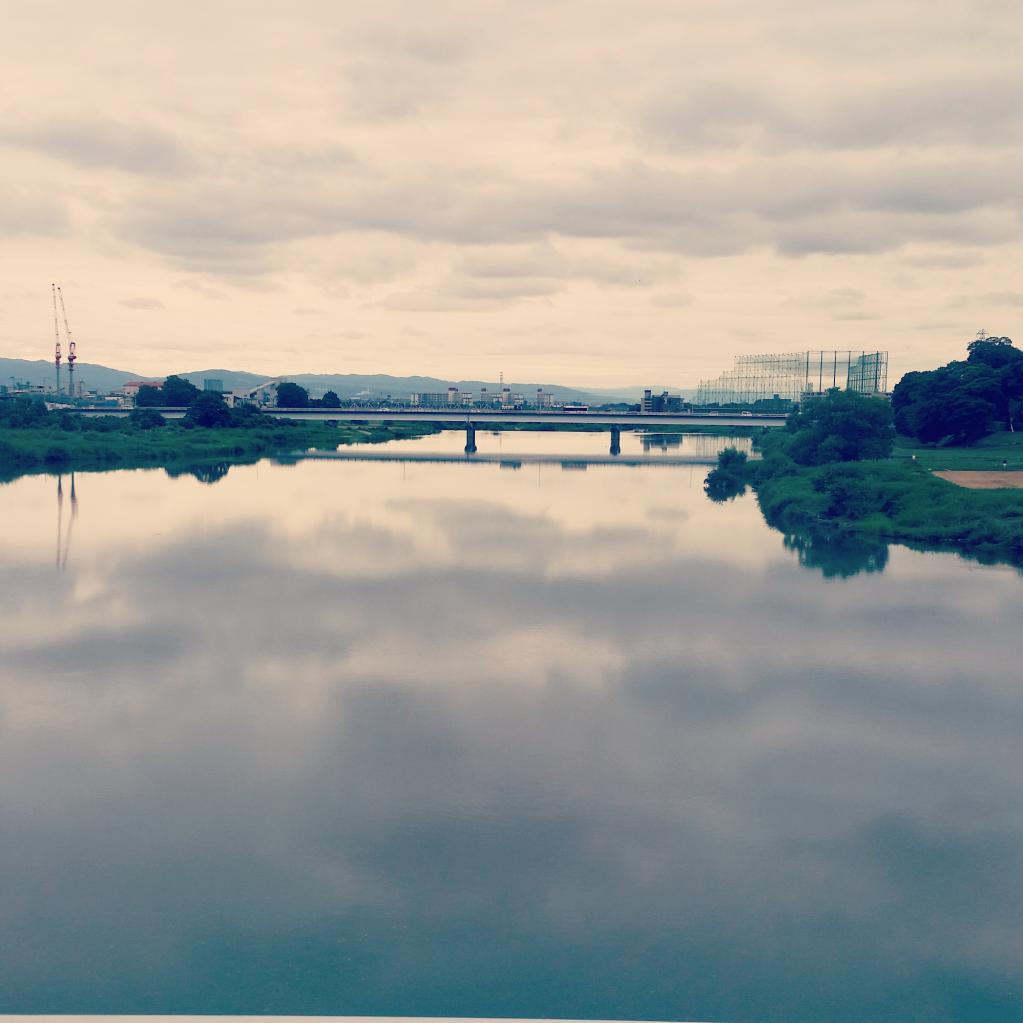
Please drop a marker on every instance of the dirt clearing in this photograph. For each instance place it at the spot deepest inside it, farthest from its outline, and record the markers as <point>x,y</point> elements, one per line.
<point>987,479</point>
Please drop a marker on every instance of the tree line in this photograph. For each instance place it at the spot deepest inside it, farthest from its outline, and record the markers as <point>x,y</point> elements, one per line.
<point>291,395</point>
<point>177,392</point>
<point>964,400</point>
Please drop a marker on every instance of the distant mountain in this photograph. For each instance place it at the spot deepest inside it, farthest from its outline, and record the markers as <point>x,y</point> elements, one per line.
<point>232,379</point>
<point>346,385</point>
<point>371,386</point>
<point>40,372</point>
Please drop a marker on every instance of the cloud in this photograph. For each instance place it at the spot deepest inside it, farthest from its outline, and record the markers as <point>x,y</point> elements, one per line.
<point>837,297</point>
<point>1002,298</point>
<point>27,211</point>
<point>398,72</point>
<point>945,260</point>
<point>142,303</point>
<point>201,287</point>
<point>92,143</point>
<point>938,111</point>
<point>523,161</point>
<point>672,300</point>
<point>795,206</point>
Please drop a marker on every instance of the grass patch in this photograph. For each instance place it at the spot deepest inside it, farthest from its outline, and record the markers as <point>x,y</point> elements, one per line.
<point>862,503</point>
<point>116,443</point>
<point>895,500</point>
<point>988,453</point>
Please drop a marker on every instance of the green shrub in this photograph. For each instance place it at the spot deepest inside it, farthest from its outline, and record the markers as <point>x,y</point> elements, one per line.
<point>146,419</point>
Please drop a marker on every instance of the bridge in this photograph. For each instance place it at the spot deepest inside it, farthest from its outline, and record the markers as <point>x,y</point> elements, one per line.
<point>470,419</point>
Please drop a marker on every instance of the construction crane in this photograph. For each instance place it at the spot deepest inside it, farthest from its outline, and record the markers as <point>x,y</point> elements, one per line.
<point>56,335</point>
<point>71,356</point>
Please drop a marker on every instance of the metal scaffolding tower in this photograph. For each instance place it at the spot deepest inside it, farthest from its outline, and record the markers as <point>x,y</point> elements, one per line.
<point>793,375</point>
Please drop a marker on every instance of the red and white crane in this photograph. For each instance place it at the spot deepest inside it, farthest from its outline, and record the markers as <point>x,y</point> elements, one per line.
<point>56,335</point>
<point>71,355</point>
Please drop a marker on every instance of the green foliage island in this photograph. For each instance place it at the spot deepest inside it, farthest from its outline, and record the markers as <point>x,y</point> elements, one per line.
<point>33,439</point>
<point>853,468</point>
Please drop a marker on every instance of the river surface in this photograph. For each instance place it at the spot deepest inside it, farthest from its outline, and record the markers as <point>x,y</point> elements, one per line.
<point>444,739</point>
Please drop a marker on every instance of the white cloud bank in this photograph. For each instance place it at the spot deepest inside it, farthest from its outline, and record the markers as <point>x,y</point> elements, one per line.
<point>581,191</point>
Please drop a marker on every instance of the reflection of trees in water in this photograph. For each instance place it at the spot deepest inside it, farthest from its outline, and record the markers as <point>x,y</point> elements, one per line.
<point>838,556</point>
<point>837,553</point>
<point>721,487</point>
<point>209,472</point>
<point>728,480</point>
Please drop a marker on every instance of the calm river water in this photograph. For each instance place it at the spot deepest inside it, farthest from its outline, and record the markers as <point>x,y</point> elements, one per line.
<point>385,738</point>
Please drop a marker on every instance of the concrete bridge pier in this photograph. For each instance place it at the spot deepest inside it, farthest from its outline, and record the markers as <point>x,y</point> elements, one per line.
<point>470,438</point>
<point>616,440</point>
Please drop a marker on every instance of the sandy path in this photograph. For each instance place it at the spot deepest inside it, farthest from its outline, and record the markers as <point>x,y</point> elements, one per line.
<point>985,479</point>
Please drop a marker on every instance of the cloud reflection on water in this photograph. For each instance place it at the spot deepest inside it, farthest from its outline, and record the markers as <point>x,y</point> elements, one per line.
<point>419,750</point>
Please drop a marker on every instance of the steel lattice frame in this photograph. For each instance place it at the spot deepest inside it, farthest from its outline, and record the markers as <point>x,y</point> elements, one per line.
<point>792,375</point>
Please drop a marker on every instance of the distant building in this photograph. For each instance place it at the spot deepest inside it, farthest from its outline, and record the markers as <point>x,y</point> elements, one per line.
<point>213,384</point>
<point>663,402</point>
<point>426,399</point>
<point>130,388</point>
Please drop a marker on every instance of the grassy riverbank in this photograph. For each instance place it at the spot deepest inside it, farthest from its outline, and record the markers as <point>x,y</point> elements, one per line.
<point>897,500</point>
<point>827,477</point>
<point>988,453</point>
<point>51,444</point>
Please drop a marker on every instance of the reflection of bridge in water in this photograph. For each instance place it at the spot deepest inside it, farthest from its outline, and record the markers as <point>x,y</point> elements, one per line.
<point>574,461</point>
<point>473,419</point>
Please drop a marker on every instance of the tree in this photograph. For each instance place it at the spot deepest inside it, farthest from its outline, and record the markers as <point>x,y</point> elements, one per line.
<point>247,416</point>
<point>840,426</point>
<point>1012,388</point>
<point>966,417</point>
<point>208,409</point>
<point>21,412</point>
<point>291,395</point>
<point>730,477</point>
<point>148,396</point>
<point>996,352</point>
<point>330,400</point>
<point>958,402</point>
<point>146,418</point>
<point>178,392</point>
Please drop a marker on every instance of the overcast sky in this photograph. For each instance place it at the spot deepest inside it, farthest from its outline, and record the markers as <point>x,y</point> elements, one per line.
<point>570,191</point>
